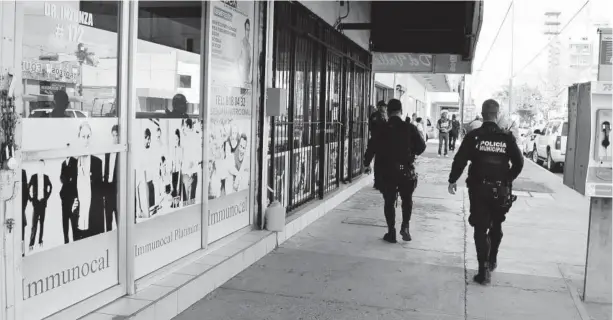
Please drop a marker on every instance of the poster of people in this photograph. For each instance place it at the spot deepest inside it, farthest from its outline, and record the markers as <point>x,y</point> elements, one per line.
<point>229,141</point>
<point>66,199</point>
<point>168,165</point>
<point>229,167</point>
<point>232,43</point>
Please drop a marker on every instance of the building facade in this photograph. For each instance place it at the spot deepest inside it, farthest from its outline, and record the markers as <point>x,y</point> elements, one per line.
<point>143,141</point>
<point>136,140</point>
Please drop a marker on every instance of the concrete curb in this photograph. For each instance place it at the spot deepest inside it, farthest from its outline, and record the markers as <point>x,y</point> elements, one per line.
<point>574,294</point>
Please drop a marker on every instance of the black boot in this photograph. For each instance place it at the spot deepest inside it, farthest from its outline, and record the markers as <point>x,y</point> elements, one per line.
<point>493,261</point>
<point>404,232</point>
<point>390,236</point>
<point>483,276</point>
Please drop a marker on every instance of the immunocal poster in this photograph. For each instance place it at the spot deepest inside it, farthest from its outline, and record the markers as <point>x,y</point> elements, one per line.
<point>232,43</point>
<point>66,199</point>
<point>168,166</point>
<point>229,160</point>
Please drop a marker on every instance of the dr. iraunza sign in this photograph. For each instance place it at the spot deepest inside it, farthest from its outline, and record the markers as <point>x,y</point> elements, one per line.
<point>35,287</point>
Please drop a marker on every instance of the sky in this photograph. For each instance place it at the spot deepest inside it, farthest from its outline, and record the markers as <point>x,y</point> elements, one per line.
<point>491,72</point>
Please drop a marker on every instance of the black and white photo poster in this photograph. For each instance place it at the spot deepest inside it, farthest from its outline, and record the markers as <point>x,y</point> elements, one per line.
<point>168,166</point>
<point>232,43</point>
<point>229,166</point>
<point>69,198</point>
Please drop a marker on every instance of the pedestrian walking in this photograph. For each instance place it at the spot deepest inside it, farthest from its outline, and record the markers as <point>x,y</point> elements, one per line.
<point>420,128</point>
<point>454,132</point>
<point>475,124</point>
<point>395,148</point>
<point>489,149</point>
<point>444,126</point>
<point>376,121</point>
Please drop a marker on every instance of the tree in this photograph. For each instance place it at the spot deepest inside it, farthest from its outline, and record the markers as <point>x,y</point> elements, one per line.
<point>527,101</point>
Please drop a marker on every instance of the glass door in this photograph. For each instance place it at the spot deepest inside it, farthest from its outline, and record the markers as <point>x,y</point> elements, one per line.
<point>73,153</point>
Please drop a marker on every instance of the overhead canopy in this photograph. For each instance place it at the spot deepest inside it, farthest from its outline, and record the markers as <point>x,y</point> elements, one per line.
<point>423,36</point>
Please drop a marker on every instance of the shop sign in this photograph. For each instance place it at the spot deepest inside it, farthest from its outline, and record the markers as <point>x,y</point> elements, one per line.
<point>67,72</point>
<point>50,88</point>
<point>420,63</point>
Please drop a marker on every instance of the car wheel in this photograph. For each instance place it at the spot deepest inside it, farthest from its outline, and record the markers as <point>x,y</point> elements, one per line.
<point>535,155</point>
<point>551,165</point>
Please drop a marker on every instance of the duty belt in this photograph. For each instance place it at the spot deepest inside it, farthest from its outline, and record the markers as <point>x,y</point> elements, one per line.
<point>494,184</point>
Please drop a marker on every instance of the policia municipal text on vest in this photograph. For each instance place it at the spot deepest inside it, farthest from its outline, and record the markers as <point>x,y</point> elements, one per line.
<point>489,182</point>
<point>395,147</point>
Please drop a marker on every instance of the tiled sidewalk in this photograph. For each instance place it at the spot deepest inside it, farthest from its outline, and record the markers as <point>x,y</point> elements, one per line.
<point>339,268</point>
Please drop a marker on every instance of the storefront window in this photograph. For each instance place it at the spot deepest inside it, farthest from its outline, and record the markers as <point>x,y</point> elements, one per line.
<point>168,133</point>
<point>70,160</point>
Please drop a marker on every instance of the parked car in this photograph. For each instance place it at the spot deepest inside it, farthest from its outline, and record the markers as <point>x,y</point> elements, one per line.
<point>46,112</point>
<point>550,144</point>
<point>526,143</point>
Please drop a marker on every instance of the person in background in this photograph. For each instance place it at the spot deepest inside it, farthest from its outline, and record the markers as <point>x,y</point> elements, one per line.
<point>475,124</point>
<point>376,121</point>
<point>179,107</point>
<point>443,125</point>
<point>60,104</point>
<point>420,128</point>
<point>454,132</point>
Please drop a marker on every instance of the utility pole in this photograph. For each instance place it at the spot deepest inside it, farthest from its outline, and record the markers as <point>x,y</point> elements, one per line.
<point>462,86</point>
<point>512,47</point>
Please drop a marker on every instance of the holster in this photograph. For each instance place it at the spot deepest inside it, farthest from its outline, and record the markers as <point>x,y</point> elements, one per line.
<point>500,192</point>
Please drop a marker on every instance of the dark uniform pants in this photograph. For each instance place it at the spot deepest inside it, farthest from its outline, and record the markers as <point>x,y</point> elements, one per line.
<point>378,172</point>
<point>486,216</point>
<point>403,185</point>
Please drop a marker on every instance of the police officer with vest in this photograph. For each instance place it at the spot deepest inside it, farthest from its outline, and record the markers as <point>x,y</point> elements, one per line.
<point>489,149</point>
<point>395,147</point>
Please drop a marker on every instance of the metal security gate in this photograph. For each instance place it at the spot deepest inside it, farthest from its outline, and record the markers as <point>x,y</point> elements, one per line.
<point>320,143</point>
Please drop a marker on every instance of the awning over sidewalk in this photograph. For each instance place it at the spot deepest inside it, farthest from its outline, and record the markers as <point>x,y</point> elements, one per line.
<point>423,36</point>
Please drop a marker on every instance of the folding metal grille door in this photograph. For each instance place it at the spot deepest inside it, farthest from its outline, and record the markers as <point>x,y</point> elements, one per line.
<point>320,141</point>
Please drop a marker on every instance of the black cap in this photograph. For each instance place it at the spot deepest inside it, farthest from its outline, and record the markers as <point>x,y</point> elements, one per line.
<point>381,104</point>
<point>394,105</point>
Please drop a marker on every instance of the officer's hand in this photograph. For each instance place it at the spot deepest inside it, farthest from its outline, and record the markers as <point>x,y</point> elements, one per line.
<point>367,170</point>
<point>453,187</point>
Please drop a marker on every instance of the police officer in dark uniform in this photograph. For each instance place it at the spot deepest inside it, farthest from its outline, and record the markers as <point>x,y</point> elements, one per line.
<point>395,146</point>
<point>376,121</point>
<point>489,149</point>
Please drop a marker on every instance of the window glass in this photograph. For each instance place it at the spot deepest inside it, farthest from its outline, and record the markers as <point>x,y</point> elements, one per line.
<point>168,133</point>
<point>565,129</point>
<point>69,194</point>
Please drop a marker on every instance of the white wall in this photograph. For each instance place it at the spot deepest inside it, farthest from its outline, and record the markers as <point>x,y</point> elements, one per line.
<point>330,11</point>
<point>438,99</point>
<point>414,90</point>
